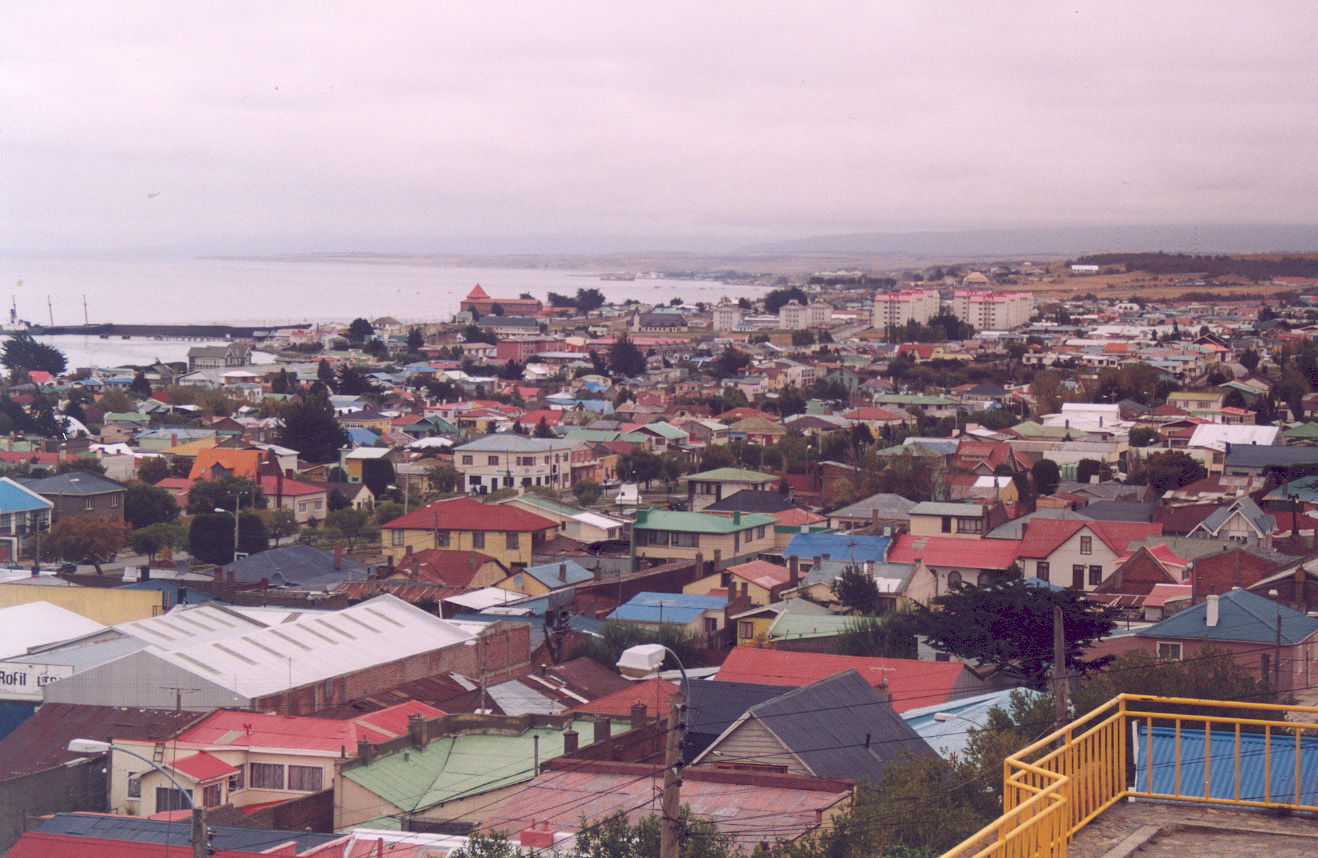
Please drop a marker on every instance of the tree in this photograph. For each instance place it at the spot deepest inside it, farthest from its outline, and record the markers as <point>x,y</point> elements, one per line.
<point>775,300</point>
<point>1046,476</point>
<point>253,537</point>
<point>1249,359</point>
<point>153,469</point>
<point>640,466</point>
<point>587,491</point>
<point>283,383</point>
<point>856,590</point>
<point>1210,674</point>
<point>589,299</point>
<point>790,401</point>
<point>139,386</point>
<point>93,539</point>
<point>443,478</point>
<point>378,475</point>
<point>311,428</point>
<point>225,493</point>
<point>84,464</point>
<point>625,359</point>
<point>889,636</point>
<point>477,334</point>
<point>352,381</point>
<point>1009,625</point>
<point>729,363</point>
<point>150,539</point>
<point>325,374</point>
<point>1167,470</point>
<point>542,430</point>
<point>351,524</point>
<point>1086,469</point>
<point>210,538</point>
<point>360,330</point>
<point>415,340</point>
<point>279,522</point>
<point>803,337</point>
<point>22,352</point>
<point>1143,436</point>
<point>146,505</point>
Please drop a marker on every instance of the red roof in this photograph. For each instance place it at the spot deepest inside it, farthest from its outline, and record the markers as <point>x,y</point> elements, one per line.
<point>762,573</point>
<point>913,683</point>
<point>272,486</point>
<point>1043,536</point>
<point>870,412</point>
<point>653,693</point>
<point>468,514</point>
<point>202,766</point>
<point>391,722</point>
<point>444,566</point>
<point>239,729</point>
<point>794,517</point>
<point>477,292</point>
<point>952,551</point>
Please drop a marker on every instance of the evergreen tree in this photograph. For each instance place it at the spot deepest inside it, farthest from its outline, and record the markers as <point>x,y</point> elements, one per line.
<point>22,352</point>
<point>625,359</point>
<point>140,386</point>
<point>415,340</point>
<point>311,428</point>
<point>360,330</point>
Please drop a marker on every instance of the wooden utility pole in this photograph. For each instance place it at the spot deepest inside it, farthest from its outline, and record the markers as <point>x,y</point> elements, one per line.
<point>670,844</point>
<point>1061,689</point>
<point>200,848</point>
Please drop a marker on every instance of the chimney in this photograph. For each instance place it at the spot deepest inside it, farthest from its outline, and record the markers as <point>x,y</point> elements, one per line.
<point>736,517</point>
<point>365,750</point>
<point>218,574</point>
<point>416,729</point>
<point>233,577</point>
<point>793,571</point>
<point>562,571</point>
<point>638,714</point>
<point>603,730</point>
<point>570,740</point>
<point>145,574</point>
<point>1210,618</point>
<point>338,556</point>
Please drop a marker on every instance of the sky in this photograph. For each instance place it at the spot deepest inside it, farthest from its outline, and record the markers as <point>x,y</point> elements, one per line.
<point>578,126</point>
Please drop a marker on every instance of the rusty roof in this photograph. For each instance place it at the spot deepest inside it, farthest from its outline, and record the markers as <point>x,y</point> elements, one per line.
<point>41,742</point>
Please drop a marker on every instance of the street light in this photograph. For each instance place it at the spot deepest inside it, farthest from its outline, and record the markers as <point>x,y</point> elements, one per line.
<point>198,835</point>
<point>944,717</point>
<point>643,662</point>
<point>235,528</point>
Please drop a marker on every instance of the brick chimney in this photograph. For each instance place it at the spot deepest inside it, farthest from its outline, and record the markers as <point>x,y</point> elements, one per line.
<point>570,741</point>
<point>638,714</point>
<point>365,750</point>
<point>603,730</point>
<point>793,571</point>
<point>562,571</point>
<point>416,729</point>
<point>338,556</point>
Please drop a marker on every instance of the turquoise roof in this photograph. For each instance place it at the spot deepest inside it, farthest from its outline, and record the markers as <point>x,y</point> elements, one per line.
<point>15,498</point>
<point>698,522</point>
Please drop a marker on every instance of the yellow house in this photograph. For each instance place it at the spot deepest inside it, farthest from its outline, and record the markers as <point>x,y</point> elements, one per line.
<point>752,626</point>
<point>759,580</point>
<point>964,520</point>
<point>665,535</point>
<point>107,606</point>
<point>506,533</point>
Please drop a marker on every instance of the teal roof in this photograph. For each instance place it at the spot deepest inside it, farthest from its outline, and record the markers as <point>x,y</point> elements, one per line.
<point>698,522</point>
<point>667,430</point>
<point>591,435</point>
<point>790,626</point>
<point>730,475</point>
<point>455,767</point>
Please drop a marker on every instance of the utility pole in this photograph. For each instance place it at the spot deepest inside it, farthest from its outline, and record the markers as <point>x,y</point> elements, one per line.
<point>200,846</point>
<point>670,843</point>
<point>1061,690</point>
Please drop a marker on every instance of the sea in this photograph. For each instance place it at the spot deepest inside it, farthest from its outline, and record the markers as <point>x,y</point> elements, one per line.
<point>277,292</point>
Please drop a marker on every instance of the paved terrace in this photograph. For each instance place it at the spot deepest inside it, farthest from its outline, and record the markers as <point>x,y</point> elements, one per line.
<point>1150,829</point>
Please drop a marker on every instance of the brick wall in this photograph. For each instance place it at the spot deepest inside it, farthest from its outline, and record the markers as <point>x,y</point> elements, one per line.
<point>62,788</point>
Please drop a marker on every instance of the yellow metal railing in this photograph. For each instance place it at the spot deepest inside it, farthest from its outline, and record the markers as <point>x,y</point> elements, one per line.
<point>1054,787</point>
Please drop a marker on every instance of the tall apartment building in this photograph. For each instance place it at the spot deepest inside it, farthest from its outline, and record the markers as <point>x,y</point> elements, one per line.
<point>906,305</point>
<point>992,311</point>
<point>794,316</point>
<point>726,317</point>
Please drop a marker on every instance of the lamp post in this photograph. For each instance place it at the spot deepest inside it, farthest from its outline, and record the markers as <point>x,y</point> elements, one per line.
<point>235,528</point>
<point>200,849</point>
<point>643,662</point>
<point>944,717</point>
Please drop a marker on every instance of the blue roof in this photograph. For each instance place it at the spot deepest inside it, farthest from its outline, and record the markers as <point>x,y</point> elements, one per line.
<point>952,736</point>
<point>15,498</point>
<point>1254,753</point>
<point>1242,616</point>
<point>843,546</point>
<point>363,437</point>
<point>547,573</point>
<point>678,608</point>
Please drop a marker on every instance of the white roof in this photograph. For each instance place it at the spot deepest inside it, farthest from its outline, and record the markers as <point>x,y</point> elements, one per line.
<point>368,453</point>
<point>486,597</point>
<point>595,519</point>
<point>312,647</point>
<point>190,625</point>
<point>1215,436</point>
<point>38,624</point>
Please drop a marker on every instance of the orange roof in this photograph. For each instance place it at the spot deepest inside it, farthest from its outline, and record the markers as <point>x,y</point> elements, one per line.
<point>238,463</point>
<point>796,517</point>
<point>913,683</point>
<point>465,513</point>
<point>761,573</point>
<point>477,292</point>
<point>1044,535</point>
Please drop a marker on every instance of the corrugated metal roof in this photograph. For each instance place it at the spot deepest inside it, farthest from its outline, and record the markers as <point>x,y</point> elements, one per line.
<point>42,741</point>
<point>137,830</point>
<point>1242,616</point>
<point>457,766</point>
<point>680,608</point>
<point>36,624</point>
<point>1157,765</point>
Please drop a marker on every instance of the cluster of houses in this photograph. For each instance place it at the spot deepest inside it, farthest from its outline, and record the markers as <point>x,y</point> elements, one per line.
<point>435,682</point>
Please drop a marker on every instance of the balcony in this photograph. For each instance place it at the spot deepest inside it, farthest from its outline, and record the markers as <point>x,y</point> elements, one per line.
<point>1241,756</point>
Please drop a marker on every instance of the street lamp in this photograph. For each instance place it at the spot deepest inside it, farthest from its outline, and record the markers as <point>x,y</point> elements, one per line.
<point>198,835</point>
<point>235,528</point>
<point>944,717</point>
<point>643,662</point>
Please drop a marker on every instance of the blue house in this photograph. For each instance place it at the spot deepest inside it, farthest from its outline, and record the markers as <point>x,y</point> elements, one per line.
<point>699,616</point>
<point>24,516</point>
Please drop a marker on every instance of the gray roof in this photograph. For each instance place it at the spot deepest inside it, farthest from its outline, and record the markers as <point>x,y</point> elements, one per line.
<point>1257,518</point>
<point>940,508</point>
<point>886,505</point>
<point>1113,510</point>
<point>752,500</point>
<point>73,483</point>
<point>514,443</point>
<point>840,727</point>
<point>1266,456</point>
<point>298,566</point>
<point>715,706</point>
<point>138,830</point>
<point>1242,616</point>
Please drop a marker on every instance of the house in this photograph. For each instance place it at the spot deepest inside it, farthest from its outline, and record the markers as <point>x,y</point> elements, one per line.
<point>955,520</point>
<point>506,533</point>
<point>307,501</point>
<point>782,735</point>
<point>1078,554</point>
<point>227,356</point>
<point>479,303</point>
<point>910,683</point>
<point>942,563</point>
<point>510,460</point>
<point>709,487</point>
<point>579,524</point>
<point>666,535</point>
<point>546,578</point>
<point>882,510</point>
<point>463,570</point>
<point>1240,521</point>
<point>80,493</point>
<point>295,567</point>
<point>698,616</point>
<point>812,549</point>
<point>214,463</point>
<point>24,516</point>
<point>759,580</point>
<point>1215,442</point>
<point>752,626</point>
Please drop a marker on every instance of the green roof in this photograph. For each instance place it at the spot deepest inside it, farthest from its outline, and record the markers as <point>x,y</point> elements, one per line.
<point>730,475</point>
<point>458,766</point>
<point>1038,430</point>
<point>791,626</point>
<point>667,430</point>
<point>1304,430</point>
<point>907,399</point>
<point>698,522</point>
<point>591,435</point>
<point>909,450</point>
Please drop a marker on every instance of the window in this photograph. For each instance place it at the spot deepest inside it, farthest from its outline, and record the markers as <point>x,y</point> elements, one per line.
<point>168,798</point>
<point>510,541</point>
<point>1078,576</point>
<point>745,630</point>
<point>306,778</point>
<point>686,540</point>
<point>1095,575</point>
<point>114,501</point>
<point>1169,651</point>
<point>89,503</point>
<point>947,524</point>
<point>1041,570</point>
<point>211,796</point>
<point>953,579</point>
<point>441,539</point>
<point>1086,545</point>
<point>396,537</point>
<point>970,525</point>
<point>759,532</point>
<point>711,627</point>
<point>468,460</point>
<point>236,779</point>
<point>134,784</point>
<point>267,776</point>
<point>491,460</point>
<point>477,539</point>
<point>984,579</point>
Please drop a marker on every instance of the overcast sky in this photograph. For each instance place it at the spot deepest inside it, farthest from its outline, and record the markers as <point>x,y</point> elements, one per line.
<point>474,126</point>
